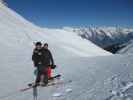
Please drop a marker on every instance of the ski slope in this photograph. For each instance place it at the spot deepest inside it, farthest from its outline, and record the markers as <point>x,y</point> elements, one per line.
<point>88,66</point>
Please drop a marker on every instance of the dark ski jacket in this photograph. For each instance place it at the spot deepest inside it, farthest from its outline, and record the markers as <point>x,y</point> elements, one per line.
<point>42,57</point>
<point>48,58</point>
<point>37,57</point>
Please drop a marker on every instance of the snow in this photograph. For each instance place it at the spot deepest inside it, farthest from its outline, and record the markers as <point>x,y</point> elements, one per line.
<point>130,84</point>
<point>128,49</point>
<point>89,67</point>
<point>68,90</point>
<point>57,94</point>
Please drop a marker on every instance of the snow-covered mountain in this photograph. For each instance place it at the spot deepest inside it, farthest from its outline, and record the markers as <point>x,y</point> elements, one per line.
<point>93,71</point>
<point>104,36</point>
<point>19,31</point>
<point>128,48</point>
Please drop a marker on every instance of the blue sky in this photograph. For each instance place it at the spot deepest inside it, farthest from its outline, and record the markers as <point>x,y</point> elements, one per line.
<point>58,13</point>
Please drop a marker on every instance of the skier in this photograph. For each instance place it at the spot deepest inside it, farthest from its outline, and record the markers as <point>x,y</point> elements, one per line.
<point>43,61</point>
<point>37,58</point>
<point>48,60</point>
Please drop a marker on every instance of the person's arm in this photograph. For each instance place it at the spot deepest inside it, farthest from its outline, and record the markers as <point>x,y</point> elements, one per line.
<point>34,57</point>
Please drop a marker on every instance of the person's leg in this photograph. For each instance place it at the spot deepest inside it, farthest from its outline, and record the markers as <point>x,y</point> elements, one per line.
<point>38,77</point>
<point>45,78</point>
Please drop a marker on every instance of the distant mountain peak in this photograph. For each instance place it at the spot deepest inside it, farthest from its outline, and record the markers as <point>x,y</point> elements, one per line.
<point>3,2</point>
<point>103,36</point>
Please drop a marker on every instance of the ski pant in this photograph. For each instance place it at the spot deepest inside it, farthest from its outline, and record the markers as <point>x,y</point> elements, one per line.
<point>49,71</point>
<point>42,75</point>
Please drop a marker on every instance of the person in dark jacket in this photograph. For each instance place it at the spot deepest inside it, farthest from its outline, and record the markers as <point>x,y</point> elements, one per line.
<point>48,60</point>
<point>38,60</point>
<point>43,60</point>
<point>37,55</point>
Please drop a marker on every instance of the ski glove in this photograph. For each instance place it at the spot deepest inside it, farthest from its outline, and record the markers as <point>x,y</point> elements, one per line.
<point>53,66</point>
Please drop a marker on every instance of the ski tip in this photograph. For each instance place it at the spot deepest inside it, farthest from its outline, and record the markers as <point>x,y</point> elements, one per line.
<point>59,75</point>
<point>30,84</point>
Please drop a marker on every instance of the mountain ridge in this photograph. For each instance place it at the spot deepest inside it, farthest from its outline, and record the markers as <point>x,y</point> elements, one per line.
<point>104,36</point>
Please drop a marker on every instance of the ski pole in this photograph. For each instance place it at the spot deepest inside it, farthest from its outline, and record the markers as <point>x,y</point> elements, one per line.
<point>35,93</point>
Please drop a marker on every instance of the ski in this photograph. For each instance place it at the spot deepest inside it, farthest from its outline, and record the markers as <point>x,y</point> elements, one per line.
<point>49,84</point>
<point>50,80</point>
<point>54,77</point>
